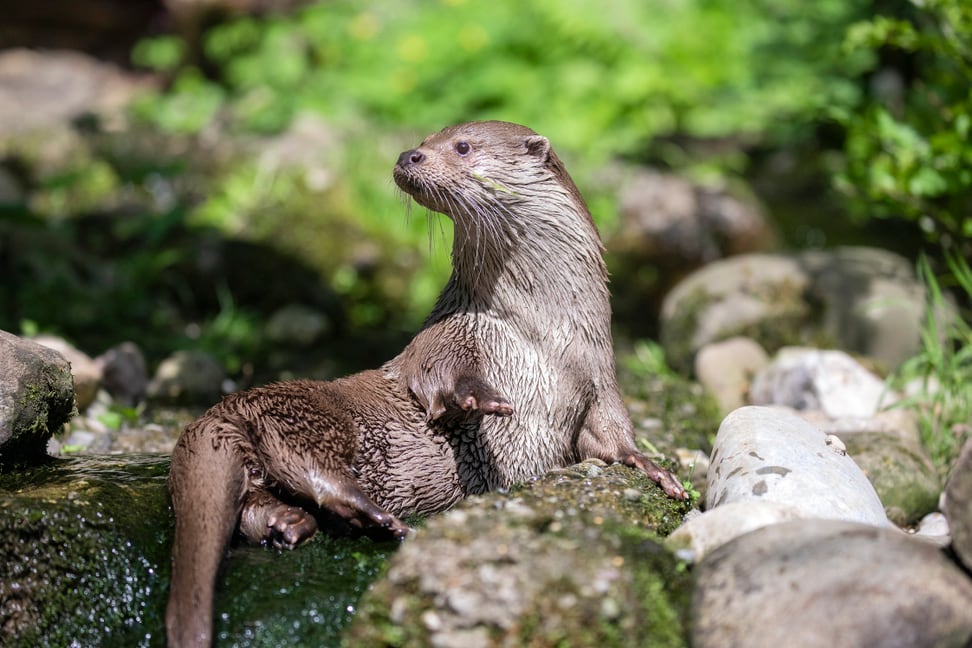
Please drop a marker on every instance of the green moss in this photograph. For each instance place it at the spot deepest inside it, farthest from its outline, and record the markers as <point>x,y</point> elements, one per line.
<point>302,597</point>
<point>668,410</point>
<point>45,406</point>
<point>660,591</point>
<point>87,543</point>
<point>583,545</point>
<point>86,546</point>
<point>663,586</point>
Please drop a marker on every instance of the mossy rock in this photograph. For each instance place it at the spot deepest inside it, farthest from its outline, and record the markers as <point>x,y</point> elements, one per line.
<point>760,296</point>
<point>571,558</point>
<point>901,472</point>
<point>864,300</point>
<point>36,399</point>
<point>86,546</point>
<point>306,597</point>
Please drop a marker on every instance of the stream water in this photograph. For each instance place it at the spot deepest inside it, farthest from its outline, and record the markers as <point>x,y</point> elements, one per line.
<point>86,544</point>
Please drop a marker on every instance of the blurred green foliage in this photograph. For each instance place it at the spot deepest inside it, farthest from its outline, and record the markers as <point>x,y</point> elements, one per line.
<point>908,152</point>
<point>599,79</point>
<point>114,237</point>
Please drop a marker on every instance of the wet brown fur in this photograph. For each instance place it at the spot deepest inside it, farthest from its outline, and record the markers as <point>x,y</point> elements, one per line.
<point>511,375</point>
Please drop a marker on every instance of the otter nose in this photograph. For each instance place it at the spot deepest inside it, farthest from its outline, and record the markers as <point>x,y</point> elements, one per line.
<point>410,157</point>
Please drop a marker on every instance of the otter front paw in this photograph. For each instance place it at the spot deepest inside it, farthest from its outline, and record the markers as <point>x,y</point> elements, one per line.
<point>473,394</point>
<point>289,526</point>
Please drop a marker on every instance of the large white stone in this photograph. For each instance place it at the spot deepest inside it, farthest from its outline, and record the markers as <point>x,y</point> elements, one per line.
<point>771,455</point>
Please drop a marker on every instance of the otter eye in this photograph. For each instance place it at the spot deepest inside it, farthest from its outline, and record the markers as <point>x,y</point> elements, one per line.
<point>463,148</point>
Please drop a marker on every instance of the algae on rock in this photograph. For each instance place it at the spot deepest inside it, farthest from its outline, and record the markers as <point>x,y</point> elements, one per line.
<point>86,545</point>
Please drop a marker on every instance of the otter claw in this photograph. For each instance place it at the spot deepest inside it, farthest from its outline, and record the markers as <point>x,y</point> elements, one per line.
<point>668,482</point>
<point>288,527</point>
<point>497,406</point>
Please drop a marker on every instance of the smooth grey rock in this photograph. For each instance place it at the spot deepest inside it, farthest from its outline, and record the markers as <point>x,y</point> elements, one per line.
<point>888,448</point>
<point>669,226</point>
<point>124,373</point>
<point>767,454</point>
<point>187,377</point>
<point>934,528</point>
<point>958,505</point>
<point>703,533</point>
<point>864,300</point>
<point>296,325</point>
<point>812,379</point>
<point>670,219</point>
<point>825,583</point>
<point>761,296</point>
<point>36,397</point>
<point>726,370</point>
<point>872,302</point>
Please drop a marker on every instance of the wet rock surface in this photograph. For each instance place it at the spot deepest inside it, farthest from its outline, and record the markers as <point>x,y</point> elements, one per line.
<point>86,544</point>
<point>86,550</point>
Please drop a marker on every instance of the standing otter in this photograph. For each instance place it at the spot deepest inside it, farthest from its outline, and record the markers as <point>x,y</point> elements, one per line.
<point>511,375</point>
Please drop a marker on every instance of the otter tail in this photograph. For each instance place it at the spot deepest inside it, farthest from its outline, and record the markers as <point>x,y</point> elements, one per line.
<point>206,481</point>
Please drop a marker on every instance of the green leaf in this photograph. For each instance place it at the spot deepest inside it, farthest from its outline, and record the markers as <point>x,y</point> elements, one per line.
<point>162,53</point>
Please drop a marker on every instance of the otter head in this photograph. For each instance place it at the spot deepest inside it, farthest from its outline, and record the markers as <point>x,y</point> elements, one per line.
<point>488,170</point>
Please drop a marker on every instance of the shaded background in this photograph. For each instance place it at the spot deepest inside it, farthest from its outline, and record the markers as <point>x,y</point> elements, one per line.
<point>179,173</point>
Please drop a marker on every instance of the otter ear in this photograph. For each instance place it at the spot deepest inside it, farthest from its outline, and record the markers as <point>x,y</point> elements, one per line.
<point>538,146</point>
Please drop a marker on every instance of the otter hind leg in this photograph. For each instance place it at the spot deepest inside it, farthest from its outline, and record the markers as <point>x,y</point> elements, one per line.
<point>345,499</point>
<point>269,521</point>
<point>311,459</point>
<point>608,435</point>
